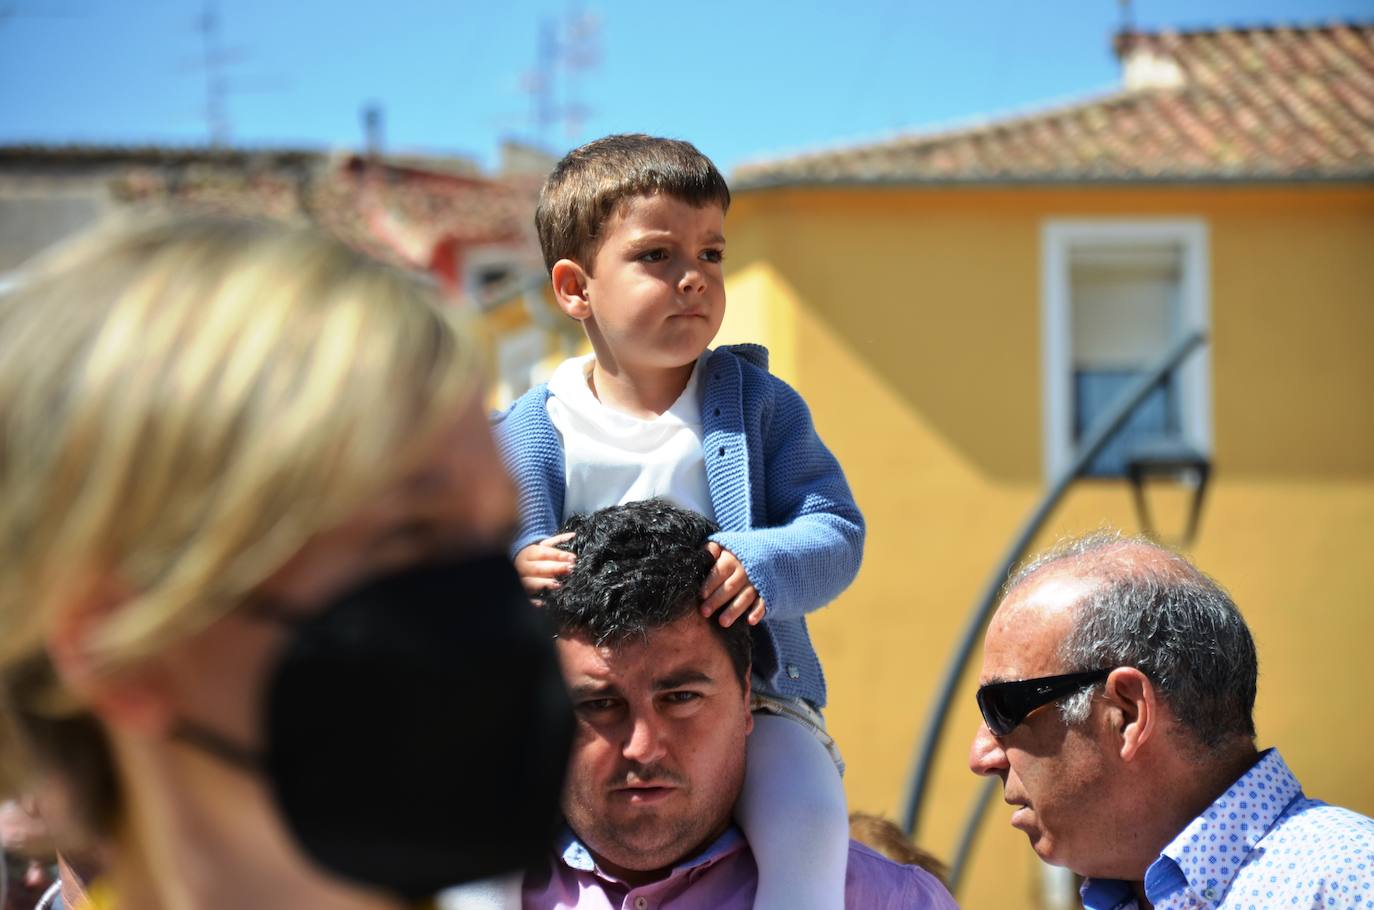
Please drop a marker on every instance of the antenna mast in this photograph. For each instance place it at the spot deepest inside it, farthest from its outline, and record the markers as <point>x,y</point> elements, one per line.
<point>216,83</point>
<point>564,52</point>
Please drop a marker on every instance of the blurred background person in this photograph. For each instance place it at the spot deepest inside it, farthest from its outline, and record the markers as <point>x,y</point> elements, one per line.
<point>891,841</point>
<point>253,521</point>
<point>30,861</point>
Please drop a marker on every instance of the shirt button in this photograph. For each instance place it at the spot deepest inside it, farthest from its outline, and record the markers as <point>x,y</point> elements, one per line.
<point>1209,893</point>
<point>640,903</point>
<point>793,671</point>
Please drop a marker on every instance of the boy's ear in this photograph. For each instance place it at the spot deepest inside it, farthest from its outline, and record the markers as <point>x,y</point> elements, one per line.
<point>132,697</point>
<point>570,287</point>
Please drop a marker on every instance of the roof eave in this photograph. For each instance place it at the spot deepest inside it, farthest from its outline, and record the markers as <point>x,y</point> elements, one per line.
<point>878,183</point>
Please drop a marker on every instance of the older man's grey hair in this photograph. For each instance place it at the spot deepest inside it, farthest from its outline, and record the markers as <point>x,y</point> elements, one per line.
<point>1166,618</point>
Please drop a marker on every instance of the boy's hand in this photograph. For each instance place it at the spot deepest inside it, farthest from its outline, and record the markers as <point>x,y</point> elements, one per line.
<point>729,586</point>
<point>540,565</point>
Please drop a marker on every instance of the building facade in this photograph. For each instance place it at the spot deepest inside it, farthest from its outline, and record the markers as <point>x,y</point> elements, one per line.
<point>958,307</point>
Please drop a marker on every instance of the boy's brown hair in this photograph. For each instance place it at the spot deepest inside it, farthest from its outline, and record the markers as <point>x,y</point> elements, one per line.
<point>592,182</point>
<point>889,840</point>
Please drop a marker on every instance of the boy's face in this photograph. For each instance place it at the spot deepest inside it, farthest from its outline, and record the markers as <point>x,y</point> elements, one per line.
<point>655,295</point>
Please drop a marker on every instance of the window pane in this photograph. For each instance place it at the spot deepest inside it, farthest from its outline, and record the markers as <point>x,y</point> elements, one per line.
<point>1125,302</point>
<point>1155,420</point>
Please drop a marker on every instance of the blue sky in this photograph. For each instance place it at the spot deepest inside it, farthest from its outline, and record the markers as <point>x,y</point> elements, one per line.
<point>743,79</point>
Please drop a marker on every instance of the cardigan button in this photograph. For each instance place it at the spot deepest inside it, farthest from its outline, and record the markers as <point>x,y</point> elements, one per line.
<point>717,412</point>
<point>722,451</point>
<point>793,671</point>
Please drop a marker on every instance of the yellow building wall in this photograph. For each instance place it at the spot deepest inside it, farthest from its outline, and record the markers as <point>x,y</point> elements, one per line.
<point>910,321</point>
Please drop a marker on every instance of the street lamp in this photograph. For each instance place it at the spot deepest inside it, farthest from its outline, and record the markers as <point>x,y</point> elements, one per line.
<point>1174,460</point>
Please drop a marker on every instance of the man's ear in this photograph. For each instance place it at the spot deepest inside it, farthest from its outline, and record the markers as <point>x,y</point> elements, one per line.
<point>134,697</point>
<point>1133,710</point>
<point>570,288</point>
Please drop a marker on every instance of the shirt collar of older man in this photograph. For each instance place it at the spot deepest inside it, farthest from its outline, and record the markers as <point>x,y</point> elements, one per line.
<point>1248,848</point>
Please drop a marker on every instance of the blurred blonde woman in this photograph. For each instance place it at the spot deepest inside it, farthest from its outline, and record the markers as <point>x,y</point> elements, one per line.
<point>256,640</point>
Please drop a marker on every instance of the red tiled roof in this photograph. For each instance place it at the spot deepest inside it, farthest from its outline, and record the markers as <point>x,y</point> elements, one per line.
<point>1278,103</point>
<point>399,213</point>
<point>67,156</point>
<point>409,213</point>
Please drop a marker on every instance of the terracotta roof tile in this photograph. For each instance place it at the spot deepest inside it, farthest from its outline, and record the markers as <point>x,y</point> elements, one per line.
<point>399,210</point>
<point>1271,103</point>
<point>398,213</point>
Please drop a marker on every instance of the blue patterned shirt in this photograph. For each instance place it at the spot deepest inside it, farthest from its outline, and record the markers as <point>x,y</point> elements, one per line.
<point>1262,844</point>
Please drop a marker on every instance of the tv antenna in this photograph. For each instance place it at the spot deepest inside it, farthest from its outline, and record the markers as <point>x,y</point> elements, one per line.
<point>215,61</point>
<point>565,52</point>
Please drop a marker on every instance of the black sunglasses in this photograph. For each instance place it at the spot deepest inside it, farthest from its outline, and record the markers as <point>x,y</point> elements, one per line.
<point>1006,704</point>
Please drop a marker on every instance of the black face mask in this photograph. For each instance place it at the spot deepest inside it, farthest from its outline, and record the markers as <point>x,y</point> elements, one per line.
<point>416,729</point>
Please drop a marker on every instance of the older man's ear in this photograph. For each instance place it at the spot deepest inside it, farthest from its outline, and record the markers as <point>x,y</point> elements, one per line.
<point>1133,710</point>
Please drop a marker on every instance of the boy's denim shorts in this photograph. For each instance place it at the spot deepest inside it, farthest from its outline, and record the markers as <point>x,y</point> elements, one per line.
<point>799,710</point>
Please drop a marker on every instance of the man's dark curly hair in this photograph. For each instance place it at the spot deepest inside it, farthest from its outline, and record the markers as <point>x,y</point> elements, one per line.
<point>640,567</point>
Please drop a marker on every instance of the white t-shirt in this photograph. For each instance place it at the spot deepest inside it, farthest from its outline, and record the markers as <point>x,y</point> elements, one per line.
<point>611,457</point>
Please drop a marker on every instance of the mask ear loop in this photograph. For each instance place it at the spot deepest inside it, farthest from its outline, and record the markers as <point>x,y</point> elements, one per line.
<point>221,747</point>
<point>212,743</point>
<point>266,609</point>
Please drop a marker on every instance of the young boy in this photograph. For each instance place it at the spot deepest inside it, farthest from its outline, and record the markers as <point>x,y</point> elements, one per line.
<point>632,230</point>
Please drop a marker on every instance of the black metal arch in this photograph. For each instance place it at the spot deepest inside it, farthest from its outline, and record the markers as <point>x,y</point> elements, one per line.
<point>1121,410</point>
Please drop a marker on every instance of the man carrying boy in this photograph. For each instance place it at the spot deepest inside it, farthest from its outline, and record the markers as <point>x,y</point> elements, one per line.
<point>661,698</point>
<point>632,231</point>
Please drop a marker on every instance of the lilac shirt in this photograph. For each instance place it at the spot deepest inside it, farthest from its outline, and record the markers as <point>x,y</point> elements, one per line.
<point>722,877</point>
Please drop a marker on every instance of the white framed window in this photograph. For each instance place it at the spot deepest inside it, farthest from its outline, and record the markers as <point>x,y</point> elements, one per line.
<point>1115,295</point>
<point>494,272</point>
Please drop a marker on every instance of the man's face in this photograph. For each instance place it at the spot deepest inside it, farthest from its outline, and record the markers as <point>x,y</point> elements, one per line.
<point>658,757</point>
<point>1056,776</point>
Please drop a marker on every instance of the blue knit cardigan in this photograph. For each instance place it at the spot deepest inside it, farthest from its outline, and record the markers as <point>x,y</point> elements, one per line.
<point>781,500</point>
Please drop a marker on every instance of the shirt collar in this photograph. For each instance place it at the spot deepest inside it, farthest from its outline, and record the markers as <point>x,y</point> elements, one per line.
<point>575,854</point>
<point>1211,850</point>
<point>1207,854</point>
<point>1106,894</point>
<point>570,383</point>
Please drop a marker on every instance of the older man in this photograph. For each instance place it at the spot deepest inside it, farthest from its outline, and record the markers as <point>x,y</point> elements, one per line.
<point>1145,779</point>
<point>661,696</point>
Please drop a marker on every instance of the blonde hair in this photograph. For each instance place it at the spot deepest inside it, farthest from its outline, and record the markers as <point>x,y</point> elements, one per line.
<point>183,404</point>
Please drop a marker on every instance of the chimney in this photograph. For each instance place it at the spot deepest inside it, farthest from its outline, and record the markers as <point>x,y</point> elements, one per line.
<point>372,129</point>
<point>1143,65</point>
